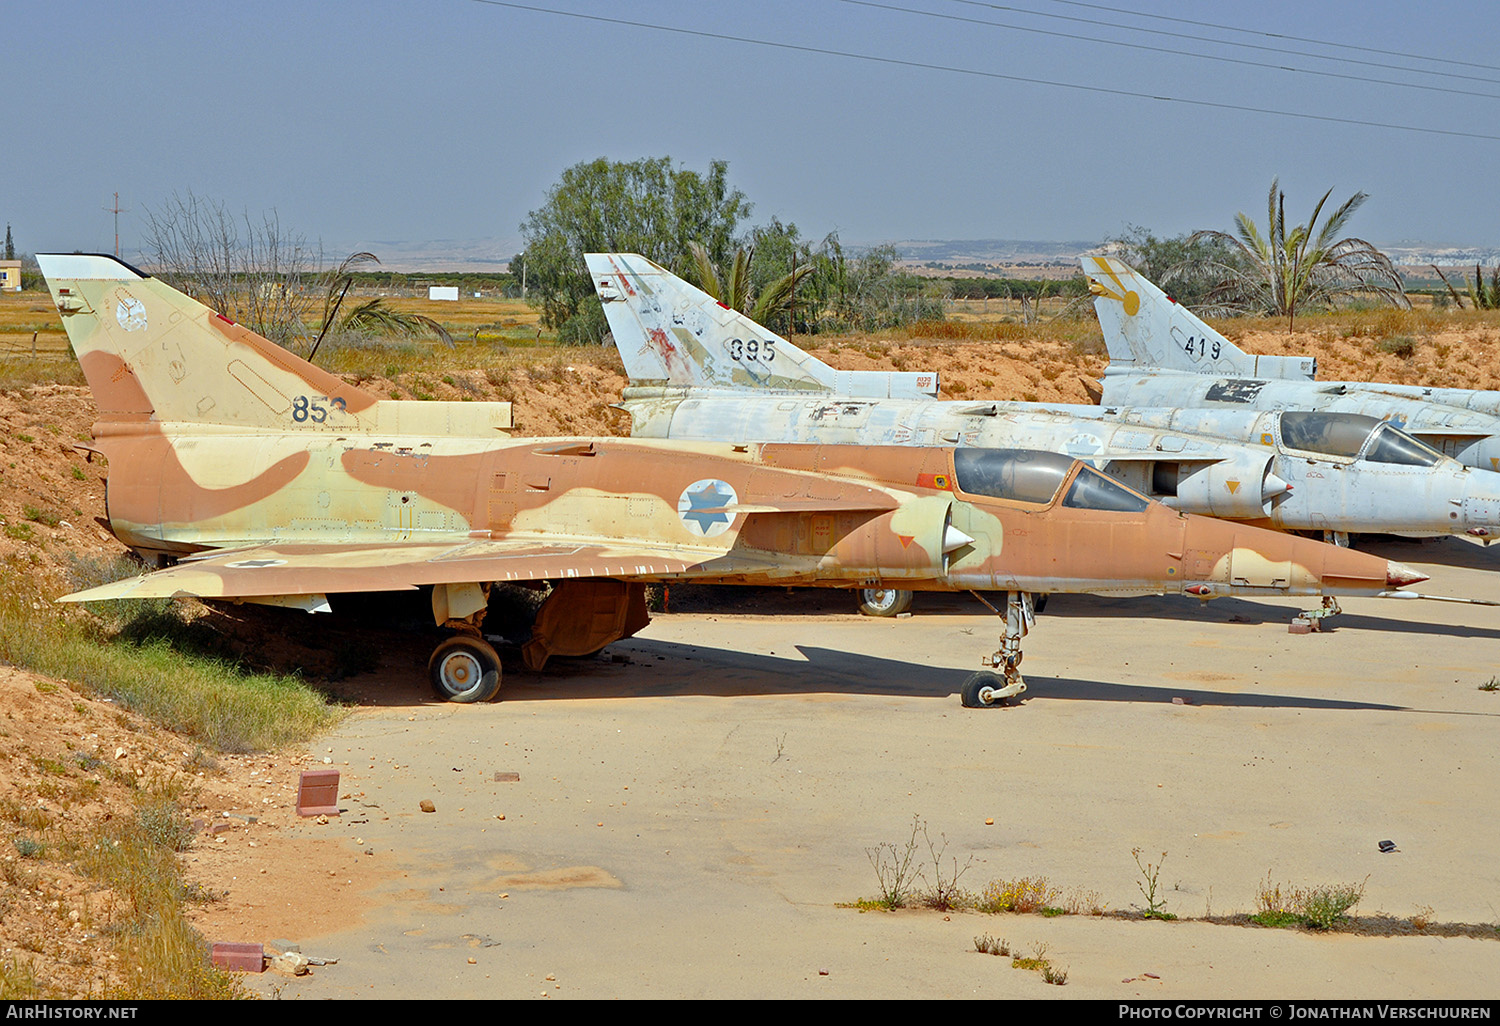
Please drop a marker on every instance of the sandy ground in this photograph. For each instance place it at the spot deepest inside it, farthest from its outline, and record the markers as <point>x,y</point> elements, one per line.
<point>687,820</point>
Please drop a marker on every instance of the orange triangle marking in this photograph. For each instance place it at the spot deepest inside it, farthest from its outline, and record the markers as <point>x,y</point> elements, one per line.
<point>1234,486</point>
<point>906,540</point>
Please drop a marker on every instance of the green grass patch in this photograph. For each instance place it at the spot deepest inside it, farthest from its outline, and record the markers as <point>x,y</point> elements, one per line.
<point>154,663</point>
<point>163,957</point>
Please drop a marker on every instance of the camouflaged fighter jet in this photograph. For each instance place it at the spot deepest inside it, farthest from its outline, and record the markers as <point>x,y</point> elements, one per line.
<point>701,371</point>
<point>250,475</point>
<point>1160,354</point>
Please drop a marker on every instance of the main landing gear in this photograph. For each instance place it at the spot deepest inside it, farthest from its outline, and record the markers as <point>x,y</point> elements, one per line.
<point>1003,680</point>
<point>884,601</point>
<point>465,668</point>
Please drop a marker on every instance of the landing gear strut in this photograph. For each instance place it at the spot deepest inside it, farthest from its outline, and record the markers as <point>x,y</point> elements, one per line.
<point>1003,681</point>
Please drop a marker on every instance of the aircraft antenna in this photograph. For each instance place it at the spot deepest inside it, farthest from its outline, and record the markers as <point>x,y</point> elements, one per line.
<point>117,210</point>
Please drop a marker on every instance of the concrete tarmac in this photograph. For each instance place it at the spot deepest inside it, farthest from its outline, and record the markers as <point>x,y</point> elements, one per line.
<point>692,822</point>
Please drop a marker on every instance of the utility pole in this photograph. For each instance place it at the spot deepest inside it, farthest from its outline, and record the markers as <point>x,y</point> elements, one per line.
<point>117,210</point>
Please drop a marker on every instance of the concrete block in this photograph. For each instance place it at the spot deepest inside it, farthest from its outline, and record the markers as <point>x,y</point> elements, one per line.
<point>239,957</point>
<point>318,793</point>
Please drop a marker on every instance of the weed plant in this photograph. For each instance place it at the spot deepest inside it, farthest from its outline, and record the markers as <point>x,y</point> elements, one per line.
<point>158,664</point>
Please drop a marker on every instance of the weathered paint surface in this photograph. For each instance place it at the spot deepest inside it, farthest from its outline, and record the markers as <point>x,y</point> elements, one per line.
<point>1161,354</point>
<point>1224,462</point>
<point>272,480</point>
<point>670,335</point>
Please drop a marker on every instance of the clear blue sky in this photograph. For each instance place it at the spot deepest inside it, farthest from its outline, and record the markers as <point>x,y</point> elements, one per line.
<point>363,123</point>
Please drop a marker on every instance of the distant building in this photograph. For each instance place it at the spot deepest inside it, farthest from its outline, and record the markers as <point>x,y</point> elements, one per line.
<point>10,276</point>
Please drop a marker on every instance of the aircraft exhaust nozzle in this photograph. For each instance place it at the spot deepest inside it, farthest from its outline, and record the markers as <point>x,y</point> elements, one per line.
<point>1399,575</point>
<point>1272,487</point>
<point>953,539</point>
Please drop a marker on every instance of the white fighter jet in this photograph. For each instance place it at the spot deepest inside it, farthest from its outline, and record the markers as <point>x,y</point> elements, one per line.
<point>700,370</point>
<point>1161,354</point>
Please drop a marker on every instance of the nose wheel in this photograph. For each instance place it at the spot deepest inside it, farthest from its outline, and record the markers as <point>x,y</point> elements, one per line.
<point>465,669</point>
<point>1003,681</point>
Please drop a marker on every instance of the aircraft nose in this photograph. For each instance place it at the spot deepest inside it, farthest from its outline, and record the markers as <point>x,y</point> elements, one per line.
<point>1399,575</point>
<point>1251,559</point>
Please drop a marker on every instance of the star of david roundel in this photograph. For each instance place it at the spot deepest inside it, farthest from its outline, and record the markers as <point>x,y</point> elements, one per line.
<point>702,507</point>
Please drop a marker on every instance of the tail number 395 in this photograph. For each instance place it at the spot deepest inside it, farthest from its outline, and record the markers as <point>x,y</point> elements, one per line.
<point>752,350</point>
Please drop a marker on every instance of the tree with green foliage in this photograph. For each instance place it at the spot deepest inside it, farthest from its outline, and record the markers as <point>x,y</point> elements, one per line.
<point>1185,267</point>
<point>1286,268</point>
<point>648,206</point>
<point>735,288</point>
<point>10,246</point>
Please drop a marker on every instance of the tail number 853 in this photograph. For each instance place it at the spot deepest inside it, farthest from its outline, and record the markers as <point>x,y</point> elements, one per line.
<point>751,350</point>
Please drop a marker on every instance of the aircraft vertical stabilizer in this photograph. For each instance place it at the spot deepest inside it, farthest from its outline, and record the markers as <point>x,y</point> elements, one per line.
<point>1147,331</point>
<point>150,352</point>
<point>670,333</point>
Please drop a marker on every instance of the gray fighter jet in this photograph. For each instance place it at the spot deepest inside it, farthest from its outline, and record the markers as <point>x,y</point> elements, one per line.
<point>1161,354</point>
<point>700,370</point>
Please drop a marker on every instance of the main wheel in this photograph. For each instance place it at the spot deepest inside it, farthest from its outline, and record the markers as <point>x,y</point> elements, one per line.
<point>465,669</point>
<point>974,693</point>
<point>884,601</point>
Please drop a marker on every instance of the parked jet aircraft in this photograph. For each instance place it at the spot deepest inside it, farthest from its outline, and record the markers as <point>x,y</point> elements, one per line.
<point>1331,473</point>
<point>250,475</point>
<point>1160,354</point>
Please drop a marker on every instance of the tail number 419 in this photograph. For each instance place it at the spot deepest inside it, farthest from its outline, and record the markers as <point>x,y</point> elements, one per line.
<point>752,350</point>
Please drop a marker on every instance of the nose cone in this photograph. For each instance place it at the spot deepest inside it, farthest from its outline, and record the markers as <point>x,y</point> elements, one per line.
<point>1226,558</point>
<point>1399,575</point>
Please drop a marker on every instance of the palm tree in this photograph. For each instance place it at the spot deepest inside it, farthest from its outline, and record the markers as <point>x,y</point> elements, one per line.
<point>372,315</point>
<point>733,287</point>
<point>1284,269</point>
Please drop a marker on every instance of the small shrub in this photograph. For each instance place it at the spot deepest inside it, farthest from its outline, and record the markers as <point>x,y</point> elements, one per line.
<point>896,868</point>
<point>1403,346</point>
<point>1027,895</point>
<point>1328,906</point>
<point>1037,960</point>
<point>1155,906</point>
<point>30,849</point>
<point>987,945</point>
<point>1319,908</point>
<point>163,822</point>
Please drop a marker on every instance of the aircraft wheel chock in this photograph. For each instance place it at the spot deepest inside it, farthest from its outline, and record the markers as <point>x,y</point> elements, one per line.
<point>975,694</point>
<point>465,669</point>
<point>884,601</point>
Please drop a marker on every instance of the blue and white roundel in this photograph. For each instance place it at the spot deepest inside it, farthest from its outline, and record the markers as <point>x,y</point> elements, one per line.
<point>131,313</point>
<point>702,507</point>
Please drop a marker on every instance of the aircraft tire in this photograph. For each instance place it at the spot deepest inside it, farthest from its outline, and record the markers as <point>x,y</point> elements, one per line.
<point>884,601</point>
<point>969,694</point>
<point>465,669</point>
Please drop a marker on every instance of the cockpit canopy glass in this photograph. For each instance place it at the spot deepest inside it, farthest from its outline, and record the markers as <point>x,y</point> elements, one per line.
<point>1023,475</point>
<point>1392,445</point>
<point>1346,434</point>
<point>1333,434</point>
<point>1093,490</point>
